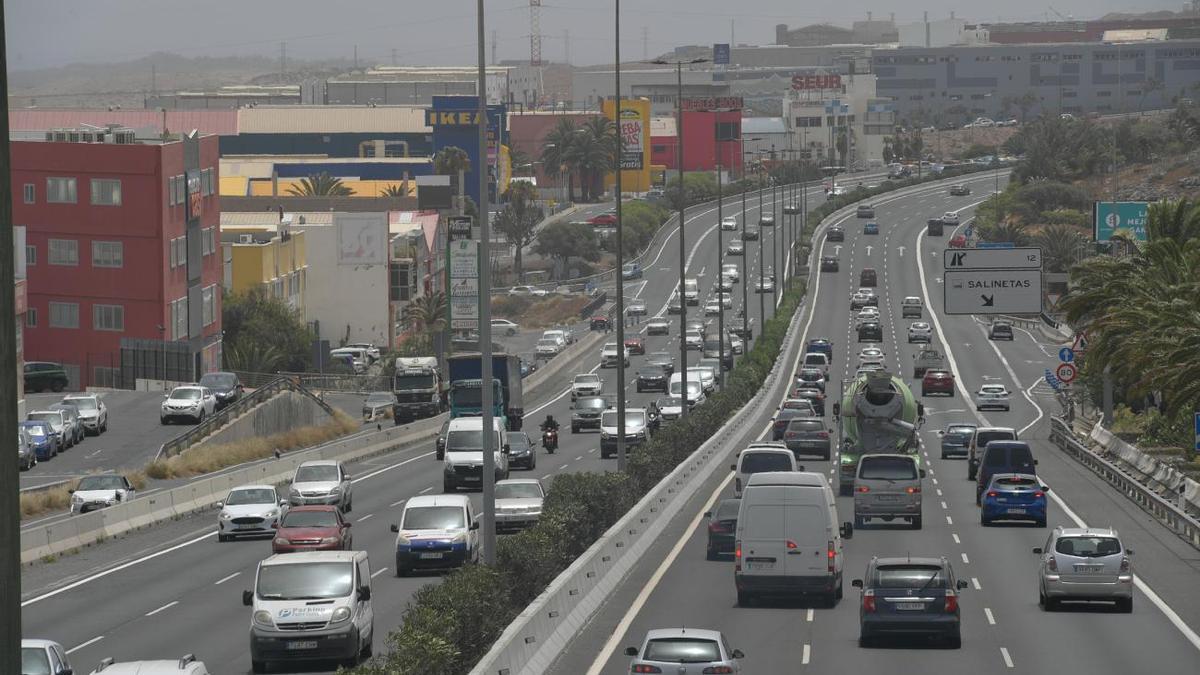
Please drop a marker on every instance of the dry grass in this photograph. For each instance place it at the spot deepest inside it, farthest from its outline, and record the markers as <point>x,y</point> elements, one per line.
<point>206,459</point>
<point>544,312</point>
<point>59,498</point>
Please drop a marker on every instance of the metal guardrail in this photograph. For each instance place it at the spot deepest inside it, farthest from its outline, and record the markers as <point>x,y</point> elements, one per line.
<point>1128,484</point>
<point>232,411</point>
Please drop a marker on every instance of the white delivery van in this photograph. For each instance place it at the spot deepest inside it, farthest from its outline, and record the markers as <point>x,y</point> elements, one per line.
<point>695,389</point>
<point>436,532</point>
<point>314,605</point>
<point>788,541</point>
<point>691,291</point>
<point>463,463</point>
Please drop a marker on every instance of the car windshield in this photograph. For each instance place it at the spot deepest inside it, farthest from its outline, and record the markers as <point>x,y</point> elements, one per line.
<point>310,519</point>
<point>1088,546</point>
<point>218,380</point>
<point>464,439</point>
<point>587,379</point>
<point>250,496</point>
<point>887,468</point>
<point>36,429</point>
<point>651,371</point>
<point>682,650</point>
<point>189,394</point>
<point>306,581</point>
<point>34,661</point>
<point>50,417</point>
<point>591,403</point>
<point>518,491</point>
<point>757,462</point>
<point>435,518</point>
<point>957,438</point>
<point>712,345</point>
<point>82,403</point>
<point>316,473</point>
<point>547,342</point>
<point>670,402</point>
<point>100,483</point>
<point>984,437</point>
<point>908,576</point>
<point>633,419</point>
<point>414,382</point>
<point>517,439</point>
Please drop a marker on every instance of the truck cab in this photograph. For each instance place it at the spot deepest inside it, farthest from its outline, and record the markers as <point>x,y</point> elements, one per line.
<point>417,384</point>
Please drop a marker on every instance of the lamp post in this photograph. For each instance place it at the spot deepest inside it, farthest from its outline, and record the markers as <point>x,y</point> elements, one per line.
<point>485,312</point>
<point>762,305</point>
<point>776,249</point>
<point>745,275</point>
<point>621,459</point>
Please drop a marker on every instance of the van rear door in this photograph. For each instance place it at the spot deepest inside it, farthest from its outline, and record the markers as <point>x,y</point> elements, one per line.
<point>807,539</point>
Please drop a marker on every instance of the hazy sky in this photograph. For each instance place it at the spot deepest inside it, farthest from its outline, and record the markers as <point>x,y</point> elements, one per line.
<point>43,33</point>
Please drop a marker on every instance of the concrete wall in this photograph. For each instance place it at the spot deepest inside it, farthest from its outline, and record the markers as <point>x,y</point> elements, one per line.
<point>286,411</point>
<point>348,277</point>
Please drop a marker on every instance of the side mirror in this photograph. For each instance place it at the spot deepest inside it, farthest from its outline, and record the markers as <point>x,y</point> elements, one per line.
<point>283,503</point>
<point>800,467</point>
<point>1037,551</point>
<point>857,583</point>
<point>962,584</point>
<point>364,593</point>
<point>922,473</point>
<point>847,530</point>
<point>1045,488</point>
<point>395,528</point>
<point>631,651</point>
<point>940,433</point>
<point>220,505</point>
<point>348,524</point>
<point>837,409</point>
<point>248,598</point>
<point>708,514</point>
<point>733,467</point>
<point>347,477</point>
<point>737,654</point>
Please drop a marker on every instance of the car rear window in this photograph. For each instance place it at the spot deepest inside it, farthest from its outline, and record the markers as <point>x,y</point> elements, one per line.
<point>957,438</point>
<point>682,650</point>
<point>757,462</point>
<point>887,468</point>
<point>909,576</point>
<point>982,438</point>
<point>1088,546</point>
<point>806,425</point>
<point>728,510</point>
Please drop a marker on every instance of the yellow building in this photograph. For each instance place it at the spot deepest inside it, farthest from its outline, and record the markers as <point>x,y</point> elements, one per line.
<point>263,252</point>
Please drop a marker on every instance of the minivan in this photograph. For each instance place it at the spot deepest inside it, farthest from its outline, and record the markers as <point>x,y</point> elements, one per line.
<point>888,486</point>
<point>788,540</point>
<point>309,606</point>
<point>436,532</point>
<point>983,436</point>
<point>868,277</point>
<point>761,457</point>
<point>463,466</point>
<point>695,389</point>
<point>1003,457</point>
<point>691,291</point>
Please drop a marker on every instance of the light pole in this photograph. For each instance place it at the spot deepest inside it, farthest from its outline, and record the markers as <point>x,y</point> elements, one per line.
<point>621,459</point>
<point>745,277</point>
<point>485,310</point>
<point>776,249</point>
<point>762,305</point>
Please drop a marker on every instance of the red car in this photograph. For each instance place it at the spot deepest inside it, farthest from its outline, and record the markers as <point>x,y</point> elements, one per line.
<point>312,528</point>
<point>939,381</point>
<point>600,322</point>
<point>636,345</point>
<point>958,241</point>
<point>603,219</point>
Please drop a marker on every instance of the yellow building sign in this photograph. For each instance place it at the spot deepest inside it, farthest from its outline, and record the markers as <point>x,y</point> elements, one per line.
<point>634,129</point>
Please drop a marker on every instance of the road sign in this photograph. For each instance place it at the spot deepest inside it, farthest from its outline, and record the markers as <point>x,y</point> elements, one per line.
<point>1066,355</point>
<point>1081,343</point>
<point>721,54</point>
<point>1108,217</point>
<point>992,291</point>
<point>995,244</point>
<point>1065,372</point>
<point>1052,380</point>
<point>992,258</point>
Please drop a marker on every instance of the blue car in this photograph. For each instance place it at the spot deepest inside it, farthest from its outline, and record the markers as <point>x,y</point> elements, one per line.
<point>1014,496</point>
<point>821,345</point>
<point>871,228</point>
<point>42,438</point>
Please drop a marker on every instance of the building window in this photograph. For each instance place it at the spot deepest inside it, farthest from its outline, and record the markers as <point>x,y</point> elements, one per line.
<point>1070,94</point>
<point>108,317</point>
<point>60,190</point>
<point>179,323</point>
<point>63,252</point>
<point>64,315</point>
<point>178,252</point>
<point>208,299</point>
<point>31,318</point>
<point>106,192</point>
<point>171,191</point>
<point>108,254</point>
<point>209,240</point>
<point>30,193</point>
<point>727,131</point>
<point>180,189</point>
<point>1103,94</point>
<point>30,254</point>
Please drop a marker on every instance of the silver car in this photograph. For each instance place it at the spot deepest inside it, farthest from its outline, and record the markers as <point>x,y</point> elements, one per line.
<point>992,396</point>
<point>920,331</point>
<point>684,651</point>
<point>658,327</point>
<point>518,503</point>
<point>1085,564</point>
<point>92,411</point>
<point>888,486</point>
<point>74,423</point>
<point>322,481</point>
<point>736,247</point>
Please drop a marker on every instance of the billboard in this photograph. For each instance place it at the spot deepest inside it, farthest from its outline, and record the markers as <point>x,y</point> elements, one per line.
<point>1108,217</point>
<point>721,54</point>
<point>633,135</point>
<point>362,239</point>
<point>455,120</point>
<point>634,127</point>
<point>816,82</point>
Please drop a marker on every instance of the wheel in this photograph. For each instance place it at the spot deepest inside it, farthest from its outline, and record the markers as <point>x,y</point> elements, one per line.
<point>839,593</point>
<point>924,393</point>
<point>1125,605</point>
<point>574,429</point>
<point>447,486</point>
<point>916,522</point>
<point>200,417</point>
<point>222,537</point>
<point>829,599</point>
<point>744,599</point>
<point>401,570</point>
<point>983,520</point>
<point>369,649</point>
<point>56,387</point>
<point>1041,522</point>
<point>349,506</point>
<point>864,640</point>
<point>954,642</point>
<point>258,666</point>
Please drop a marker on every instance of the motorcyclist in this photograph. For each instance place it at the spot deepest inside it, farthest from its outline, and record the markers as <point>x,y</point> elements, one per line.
<point>549,423</point>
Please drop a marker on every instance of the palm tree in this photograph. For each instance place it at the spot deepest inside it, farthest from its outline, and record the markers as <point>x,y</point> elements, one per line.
<point>558,152</point>
<point>596,150</point>
<point>521,163</point>
<point>427,313</point>
<point>1060,246</point>
<point>320,185</point>
<point>396,190</point>
<point>453,161</point>
<point>254,357</point>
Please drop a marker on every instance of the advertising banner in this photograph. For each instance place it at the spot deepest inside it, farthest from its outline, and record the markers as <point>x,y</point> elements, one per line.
<point>721,54</point>
<point>712,103</point>
<point>632,139</point>
<point>1108,217</point>
<point>464,283</point>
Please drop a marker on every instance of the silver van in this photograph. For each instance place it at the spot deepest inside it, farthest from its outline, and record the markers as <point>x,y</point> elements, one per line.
<point>761,457</point>
<point>888,487</point>
<point>788,541</point>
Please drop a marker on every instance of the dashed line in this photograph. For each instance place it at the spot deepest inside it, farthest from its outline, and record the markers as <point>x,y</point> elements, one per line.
<point>379,571</point>
<point>164,607</point>
<point>85,644</point>
<point>956,539</point>
<point>990,619</point>
<point>224,579</point>
<point>939,491</point>
<point>1008,662</point>
<point>564,466</point>
<point>425,490</point>
<point>804,657</point>
<point>397,503</point>
<point>590,451</point>
<point>944,505</point>
<point>949,520</point>
<point>579,458</point>
<point>934,481</point>
<point>368,516</point>
<point>975,583</point>
<point>547,476</point>
<point>810,615</point>
<point>966,560</point>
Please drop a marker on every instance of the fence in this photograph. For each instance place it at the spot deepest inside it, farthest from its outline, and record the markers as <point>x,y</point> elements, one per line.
<point>155,360</point>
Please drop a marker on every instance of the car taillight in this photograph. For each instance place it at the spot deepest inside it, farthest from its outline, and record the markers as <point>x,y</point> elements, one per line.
<point>1124,565</point>
<point>791,434</point>
<point>791,545</point>
<point>868,601</point>
<point>641,668</point>
<point>993,493</point>
<point>912,490</point>
<point>822,434</point>
<point>831,557</point>
<point>1039,494</point>
<point>863,489</point>
<point>1052,564</point>
<point>951,601</point>
<point>717,669</point>
<point>737,556</point>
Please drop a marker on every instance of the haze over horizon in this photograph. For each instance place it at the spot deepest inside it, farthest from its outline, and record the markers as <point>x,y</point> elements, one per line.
<point>51,33</point>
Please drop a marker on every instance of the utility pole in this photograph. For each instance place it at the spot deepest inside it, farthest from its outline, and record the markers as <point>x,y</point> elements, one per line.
<point>621,458</point>
<point>10,521</point>
<point>645,42</point>
<point>775,236</point>
<point>356,57</point>
<point>745,277</point>
<point>495,44</point>
<point>683,361</point>
<point>485,307</point>
<point>282,60</point>
<point>762,274</point>
<point>720,277</point>
<point>394,56</point>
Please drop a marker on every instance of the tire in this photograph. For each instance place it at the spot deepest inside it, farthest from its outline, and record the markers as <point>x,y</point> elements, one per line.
<point>401,570</point>
<point>916,522</point>
<point>1041,523</point>
<point>1125,605</point>
<point>222,537</point>
<point>56,387</point>
<point>349,506</point>
<point>844,490</point>
<point>827,454</point>
<point>983,520</point>
<point>448,487</point>
<point>829,599</point>
<point>574,429</point>
<point>859,521</point>
<point>944,456</point>
<point>258,666</point>
<point>1050,604</point>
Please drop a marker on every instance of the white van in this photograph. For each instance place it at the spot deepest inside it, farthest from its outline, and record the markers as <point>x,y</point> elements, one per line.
<point>760,457</point>
<point>695,389</point>
<point>436,532</point>
<point>788,541</point>
<point>818,360</point>
<point>314,605</point>
<point>359,358</point>
<point>463,463</point>
<point>691,291</point>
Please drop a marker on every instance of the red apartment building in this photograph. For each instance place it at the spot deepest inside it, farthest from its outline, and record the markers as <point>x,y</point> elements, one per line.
<point>123,254</point>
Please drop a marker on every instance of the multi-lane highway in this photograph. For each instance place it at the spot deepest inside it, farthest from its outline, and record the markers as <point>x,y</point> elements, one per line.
<point>175,589</point>
<point>1003,628</point>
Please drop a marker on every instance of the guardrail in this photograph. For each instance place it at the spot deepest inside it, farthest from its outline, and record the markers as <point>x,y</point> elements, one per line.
<point>211,425</point>
<point>43,488</point>
<point>1164,511</point>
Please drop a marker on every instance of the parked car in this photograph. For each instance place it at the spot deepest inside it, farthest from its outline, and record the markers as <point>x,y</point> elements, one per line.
<point>228,388</point>
<point>57,419</point>
<point>43,375</point>
<point>189,401</point>
<point>722,523</point>
<point>42,439</point>
<point>1085,564</point>
<point>26,454</point>
<point>505,327</point>
<point>74,425</point>
<point>1013,496</point>
<point>249,510</point>
<point>910,595</point>
<point>98,491</point>
<point>518,503</point>
<point>92,411</point>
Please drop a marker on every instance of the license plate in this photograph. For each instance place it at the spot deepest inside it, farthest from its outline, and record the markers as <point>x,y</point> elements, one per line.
<point>431,556</point>
<point>887,498</point>
<point>1089,569</point>
<point>1015,511</point>
<point>302,644</point>
<point>243,526</point>
<point>761,566</point>
<point>910,606</point>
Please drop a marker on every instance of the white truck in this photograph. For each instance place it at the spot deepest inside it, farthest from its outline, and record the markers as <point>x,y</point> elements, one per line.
<point>417,384</point>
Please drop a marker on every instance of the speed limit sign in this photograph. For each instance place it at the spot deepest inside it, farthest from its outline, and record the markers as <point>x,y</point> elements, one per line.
<point>1065,372</point>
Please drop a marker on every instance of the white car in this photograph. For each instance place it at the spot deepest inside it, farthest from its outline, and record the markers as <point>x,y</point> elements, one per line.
<point>706,375</point>
<point>732,271</point>
<point>372,351</point>
<point>764,285</point>
<point>98,491</point>
<point>608,355</point>
<point>321,481</point>
<point>712,308</point>
<point>735,247</point>
<point>249,509</point>
<point>93,414</point>
<point>185,665</point>
<point>726,283</point>
<point>527,290</point>
<point>190,401</point>
<point>871,356</point>
<point>547,348</point>
<point>44,656</point>
<point>505,326</point>
<point>562,336</point>
<point>670,407</point>
<point>950,218</point>
<point>636,307</point>
<point>586,384</point>
<point>658,327</point>
<point>920,331</point>
<point>736,344</point>
<point>866,315</point>
<point>518,503</point>
<point>729,224</point>
<point>992,396</point>
<point>692,339</point>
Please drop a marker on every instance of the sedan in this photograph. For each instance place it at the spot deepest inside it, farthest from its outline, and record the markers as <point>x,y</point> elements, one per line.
<point>871,355</point>
<point>920,331</point>
<point>658,327</point>
<point>693,340</point>
<point>992,396</point>
<point>312,528</point>
<point>829,264</point>
<point>662,360</point>
<point>814,396</point>
<point>871,228</point>
<point>956,440</point>
<point>607,218</point>
<point>505,327</point>
<point>528,290</point>
<point>729,224</point>
<point>98,491</point>
<point>250,509</point>
<point>94,414</point>
<point>652,378</point>
<point>764,285</point>
<point>518,503</point>
<point>636,307</point>
<point>521,450</point>
<point>547,348</point>
<point>751,234</point>
<point>736,247</point>
<point>684,650</point>
<point>835,233</point>
<point>722,524</point>
<point>872,299</point>
<point>1013,496</point>
<point>635,345</point>
<point>782,419</point>
<point>959,190</point>
<point>712,308</point>
<point>937,381</point>
<point>731,270</point>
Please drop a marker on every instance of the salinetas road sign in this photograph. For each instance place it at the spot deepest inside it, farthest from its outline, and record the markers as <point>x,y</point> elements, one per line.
<point>992,281</point>
<point>992,258</point>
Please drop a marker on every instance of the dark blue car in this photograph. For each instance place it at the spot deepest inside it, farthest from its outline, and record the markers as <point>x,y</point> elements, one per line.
<point>42,439</point>
<point>820,345</point>
<point>1014,496</point>
<point>871,228</point>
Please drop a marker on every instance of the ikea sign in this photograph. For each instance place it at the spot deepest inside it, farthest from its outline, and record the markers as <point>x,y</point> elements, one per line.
<point>452,118</point>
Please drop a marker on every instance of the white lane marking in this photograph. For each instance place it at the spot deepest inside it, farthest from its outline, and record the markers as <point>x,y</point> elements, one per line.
<point>390,467</point>
<point>379,571</point>
<point>591,450</point>
<point>1017,383</point>
<point>810,615</point>
<point>939,491</point>
<point>397,503</point>
<point>425,490</point>
<point>956,539</point>
<point>990,619</point>
<point>563,467</point>
<point>966,560</point>
<point>934,481</point>
<point>944,505</point>
<point>369,515</point>
<point>579,458</point>
<point>164,607</point>
<point>77,647</point>
<point>975,583</point>
<point>949,520</point>
<point>1008,662</point>
<point>547,476</point>
<point>224,579</point>
<point>805,655</point>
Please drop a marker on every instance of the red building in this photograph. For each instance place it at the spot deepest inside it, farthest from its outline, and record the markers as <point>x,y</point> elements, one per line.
<point>527,132</point>
<point>123,254</point>
<point>709,138</point>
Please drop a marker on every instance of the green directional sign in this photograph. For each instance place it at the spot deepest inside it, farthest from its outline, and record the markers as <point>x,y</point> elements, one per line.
<point>1108,217</point>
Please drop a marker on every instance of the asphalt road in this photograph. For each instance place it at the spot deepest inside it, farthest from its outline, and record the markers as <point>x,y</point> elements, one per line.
<point>173,588</point>
<point>1002,626</point>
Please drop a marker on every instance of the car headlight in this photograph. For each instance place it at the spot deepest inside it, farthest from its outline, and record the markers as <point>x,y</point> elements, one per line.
<point>605,435</point>
<point>263,618</point>
<point>329,540</point>
<point>282,541</point>
<point>226,516</point>
<point>293,492</point>
<point>340,614</point>
<point>335,490</point>
<point>402,540</point>
<point>458,538</point>
<point>77,499</point>
<point>273,513</point>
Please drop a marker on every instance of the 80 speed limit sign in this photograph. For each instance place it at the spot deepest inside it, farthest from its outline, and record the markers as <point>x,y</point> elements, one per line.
<point>1065,372</point>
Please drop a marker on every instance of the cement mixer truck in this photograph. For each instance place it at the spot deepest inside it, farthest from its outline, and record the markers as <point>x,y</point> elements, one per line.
<point>877,414</point>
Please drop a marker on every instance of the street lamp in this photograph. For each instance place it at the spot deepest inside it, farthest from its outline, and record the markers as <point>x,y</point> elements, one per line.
<point>762,305</point>
<point>745,275</point>
<point>621,459</point>
<point>776,249</point>
<point>485,312</point>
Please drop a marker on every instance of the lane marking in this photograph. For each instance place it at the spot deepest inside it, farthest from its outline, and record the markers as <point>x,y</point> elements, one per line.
<point>93,641</point>
<point>1008,662</point>
<point>966,560</point>
<point>379,571</point>
<point>949,520</point>
<point>805,655</point>
<point>566,465</point>
<point>975,583</point>
<point>425,490</point>
<point>956,539</point>
<point>164,607</point>
<point>810,615</point>
<point>224,579</point>
<point>944,505</point>
<point>990,619</point>
<point>369,515</point>
<point>939,492</point>
<point>397,503</point>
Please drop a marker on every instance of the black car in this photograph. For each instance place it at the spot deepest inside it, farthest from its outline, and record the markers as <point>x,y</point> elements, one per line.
<point>722,526</point>
<point>585,412</point>
<point>652,378</point>
<point>835,233</point>
<point>43,375</point>
<point>820,345</point>
<point>226,387</point>
<point>829,263</point>
<point>766,221</point>
<point>520,450</point>
<point>791,209</point>
<point>751,234</point>
<point>781,422</point>
<point>909,596</point>
<point>865,211</point>
<point>662,360</point>
<point>870,332</point>
<point>1000,331</point>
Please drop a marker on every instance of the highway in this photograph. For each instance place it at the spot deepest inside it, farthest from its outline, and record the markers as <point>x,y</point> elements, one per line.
<point>174,589</point>
<point>1003,628</point>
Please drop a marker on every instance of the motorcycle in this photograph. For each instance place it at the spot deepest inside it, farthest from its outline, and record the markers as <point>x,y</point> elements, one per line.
<point>550,440</point>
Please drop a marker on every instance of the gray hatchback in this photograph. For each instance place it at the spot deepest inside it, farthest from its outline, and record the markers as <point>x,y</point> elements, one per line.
<point>888,487</point>
<point>909,596</point>
<point>807,436</point>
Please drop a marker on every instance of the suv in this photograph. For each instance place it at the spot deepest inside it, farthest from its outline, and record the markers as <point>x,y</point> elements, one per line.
<point>959,190</point>
<point>43,375</point>
<point>829,263</point>
<point>868,277</point>
<point>909,595</point>
<point>191,401</point>
<point>807,435</point>
<point>1000,330</point>
<point>865,211</point>
<point>835,233</point>
<point>586,384</point>
<point>910,307</point>
<point>188,665</point>
<point>1085,564</point>
<point>870,332</point>
<point>227,388</point>
<point>93,413</point>
<point>585,412</point>
<point>761,457</point>
<point>888,487</point>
